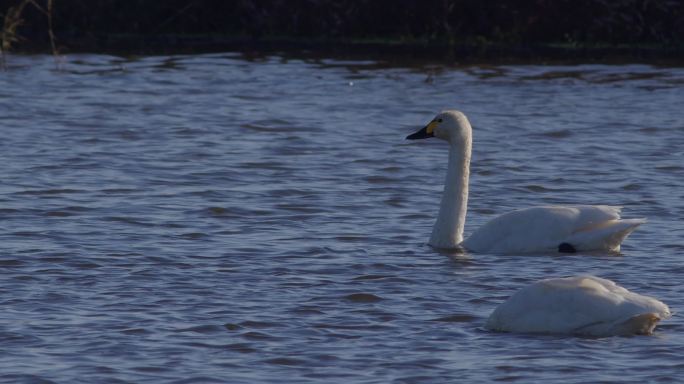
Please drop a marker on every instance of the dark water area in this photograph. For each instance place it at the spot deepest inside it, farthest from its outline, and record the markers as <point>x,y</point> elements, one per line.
<point>220,218</point>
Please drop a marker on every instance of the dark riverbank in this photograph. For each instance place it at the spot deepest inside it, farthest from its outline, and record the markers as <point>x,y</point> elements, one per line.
<point>403,50</point>
<point>466,30</point>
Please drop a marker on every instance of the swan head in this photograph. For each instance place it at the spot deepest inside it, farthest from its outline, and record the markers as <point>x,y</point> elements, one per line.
<point>451,125</point>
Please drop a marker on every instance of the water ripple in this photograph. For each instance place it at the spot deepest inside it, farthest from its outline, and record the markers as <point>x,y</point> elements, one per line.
<point>227,217</point>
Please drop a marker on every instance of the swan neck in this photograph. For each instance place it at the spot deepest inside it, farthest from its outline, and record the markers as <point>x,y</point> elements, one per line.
<point>448,229</point>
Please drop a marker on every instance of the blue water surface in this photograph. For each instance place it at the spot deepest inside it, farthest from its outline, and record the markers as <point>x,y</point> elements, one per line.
<point>225,218</point>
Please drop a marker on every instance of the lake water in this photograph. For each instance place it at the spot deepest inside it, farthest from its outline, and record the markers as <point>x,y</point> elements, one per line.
<point>232,219</point>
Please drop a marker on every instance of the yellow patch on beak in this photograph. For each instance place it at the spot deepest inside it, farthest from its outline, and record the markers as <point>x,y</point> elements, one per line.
<point>431,127</point>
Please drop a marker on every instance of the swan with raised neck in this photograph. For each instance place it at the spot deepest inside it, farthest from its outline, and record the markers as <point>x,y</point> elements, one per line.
<point>535,229</point>
<point>454,128</point>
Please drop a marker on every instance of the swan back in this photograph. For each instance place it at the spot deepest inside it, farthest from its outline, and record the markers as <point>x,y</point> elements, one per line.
<point>544,229</point>
<point>582,305</point>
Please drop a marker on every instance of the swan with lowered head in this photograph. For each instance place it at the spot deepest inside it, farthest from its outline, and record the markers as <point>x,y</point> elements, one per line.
<point>578,305</point>
<point>535,229</point>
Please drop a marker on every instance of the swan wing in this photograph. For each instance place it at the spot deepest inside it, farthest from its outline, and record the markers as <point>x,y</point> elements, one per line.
<point>541,229</point>
<point>582,305</point>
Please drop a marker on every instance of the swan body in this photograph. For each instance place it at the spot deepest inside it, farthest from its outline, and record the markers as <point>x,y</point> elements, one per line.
<point>578,305</point>
<point>530,230</point>
<point>583,227</point>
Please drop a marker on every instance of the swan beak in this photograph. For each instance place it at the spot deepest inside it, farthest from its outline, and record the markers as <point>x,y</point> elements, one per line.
<point>427,131</point>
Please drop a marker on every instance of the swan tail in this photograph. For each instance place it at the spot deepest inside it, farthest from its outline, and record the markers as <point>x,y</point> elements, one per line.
<point>607,235</point>
<point>643,324</point>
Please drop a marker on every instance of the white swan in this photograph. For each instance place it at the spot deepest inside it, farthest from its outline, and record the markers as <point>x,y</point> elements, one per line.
<point>579,305</point>
<point>536,229</point>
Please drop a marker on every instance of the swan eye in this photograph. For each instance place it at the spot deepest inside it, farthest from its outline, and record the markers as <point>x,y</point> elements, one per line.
<point>439,120</point>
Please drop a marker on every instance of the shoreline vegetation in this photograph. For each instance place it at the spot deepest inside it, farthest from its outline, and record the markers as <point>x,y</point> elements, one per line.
<point>454,30</point>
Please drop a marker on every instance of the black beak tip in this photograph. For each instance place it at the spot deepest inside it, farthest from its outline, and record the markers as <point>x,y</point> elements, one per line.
<point>422,134</point>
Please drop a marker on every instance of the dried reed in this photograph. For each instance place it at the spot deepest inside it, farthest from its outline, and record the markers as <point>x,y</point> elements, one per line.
<point>13,20</point>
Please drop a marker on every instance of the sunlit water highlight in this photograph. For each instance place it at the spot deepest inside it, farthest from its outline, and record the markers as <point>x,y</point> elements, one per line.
<point>220,218</point>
